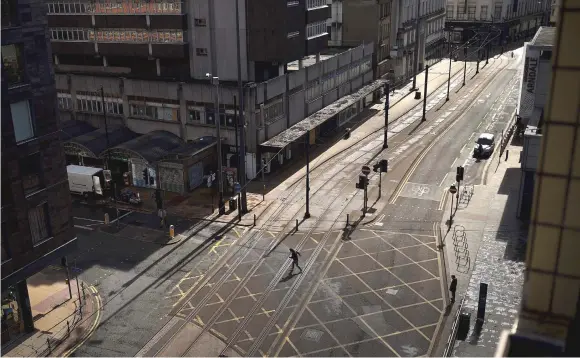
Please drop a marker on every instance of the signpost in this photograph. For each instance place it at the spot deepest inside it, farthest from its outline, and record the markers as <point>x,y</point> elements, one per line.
<point>366,170</point>
<point>452,190</point>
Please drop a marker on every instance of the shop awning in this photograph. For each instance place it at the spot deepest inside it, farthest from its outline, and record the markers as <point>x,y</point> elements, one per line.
<point>93,144</point>
<point>150,147</point>
<point>195,146</point>
<point>74,128</point>
<point>304,126</point>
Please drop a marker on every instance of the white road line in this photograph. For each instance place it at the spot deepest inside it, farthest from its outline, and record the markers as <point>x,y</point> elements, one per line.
<point>453,164</point>
<point>122,216</point>
<point>85,219</point>
<point>84,227</point>
<point>445,177</point>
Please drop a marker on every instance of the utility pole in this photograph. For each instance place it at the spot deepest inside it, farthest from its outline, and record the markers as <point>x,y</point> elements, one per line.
<point>307,143</point>
<point>242,150</point>
<point>236,135</point>
<point>385,145</point>
<point>425,94</point>
<point>217,116</point>
<point>103,103</point>
<point>464,63</point>
<point>448,78</point>
<point>487,54</point>
<point>477,66</point>
<point>416,64</point>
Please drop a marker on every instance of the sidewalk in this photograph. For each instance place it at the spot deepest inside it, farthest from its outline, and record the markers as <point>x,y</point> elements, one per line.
<point>491,250</point>
<point>60,326</point>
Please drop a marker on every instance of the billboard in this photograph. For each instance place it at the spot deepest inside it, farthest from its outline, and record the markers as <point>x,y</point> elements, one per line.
<point>529,77</point>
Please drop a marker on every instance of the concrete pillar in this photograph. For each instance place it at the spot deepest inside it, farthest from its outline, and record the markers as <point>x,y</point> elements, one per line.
<point>125,99</point>
<point>182,112</point>
<point>318,57</point>
<point>300,64</point>
<point>26,310</point>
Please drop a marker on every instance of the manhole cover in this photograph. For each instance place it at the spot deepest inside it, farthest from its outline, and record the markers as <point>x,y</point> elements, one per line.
<point>312,335</point>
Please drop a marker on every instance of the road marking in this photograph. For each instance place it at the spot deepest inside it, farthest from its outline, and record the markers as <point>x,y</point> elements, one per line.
<point>443,180</point>
<point>122,216</point>
<point>85,219</point>
<point>93,327</point>
<point>443,199</point>
<point>84,227</point>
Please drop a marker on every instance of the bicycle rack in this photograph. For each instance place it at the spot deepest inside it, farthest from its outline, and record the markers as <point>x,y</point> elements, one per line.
<point>461,249</point>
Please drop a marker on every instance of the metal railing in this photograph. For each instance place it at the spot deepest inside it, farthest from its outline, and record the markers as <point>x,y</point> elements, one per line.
<point>453,336</point>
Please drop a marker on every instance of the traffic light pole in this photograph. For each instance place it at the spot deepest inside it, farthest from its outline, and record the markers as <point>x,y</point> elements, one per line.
<point>221,207</point>
<point>425,94</point>
<point>464,64</point>
<point>306,142</point>
<point>448,78</point>
<point>365,197</point>
<point>385,144</point>
<point>242,150</point>
<point>380,172</point>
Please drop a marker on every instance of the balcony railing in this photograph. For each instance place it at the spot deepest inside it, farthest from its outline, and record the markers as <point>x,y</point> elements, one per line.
<point>107,7</point>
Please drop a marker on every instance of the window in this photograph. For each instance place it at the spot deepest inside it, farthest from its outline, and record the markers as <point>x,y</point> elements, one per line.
<point>273,111</point>
<point>471,12</point>
<point>193,115</point>
<point>201,51</point>
<point>13,64</point>
<point>31,173</point>
<point>450,11</point>
<point>114,106</point>
<point>39,224</point>
<point>461,12</point>
<point>483,13</point>
<point>64,101</point>
<point>22,120</point>
<point>313,90</point>
<point>365,66</point>
<point>292,3</point>
<point>328,83</point>
<point>497,11</point>
<point>313,4</point>
<point>200,22</point>
<point>156,112</point>
<point>293,34</point>
<point>315,29</point>
<point>71,34</point>
<point>9,15</point>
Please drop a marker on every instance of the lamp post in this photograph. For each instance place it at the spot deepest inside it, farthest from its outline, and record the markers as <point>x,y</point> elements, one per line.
<point>307,143</point>
<point>242,150</point>
<point>216,82</point>
<point>416,64</point>
<point>425,94</point>
<point>464,63</point>
<point>452,190</point>
<point>448,78</point>
<point>385,145</point>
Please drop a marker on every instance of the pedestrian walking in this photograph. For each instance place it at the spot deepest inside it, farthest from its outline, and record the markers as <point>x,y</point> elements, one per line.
<point>294,256</point>
<point>453,287</point>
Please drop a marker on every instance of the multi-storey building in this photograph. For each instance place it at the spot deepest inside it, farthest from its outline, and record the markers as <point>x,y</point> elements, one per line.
<point>36,207</point>
<point>354,22</point>
<point>510,20</point>
<point>185,39</point>
<point>555,11</point>
<point>417,27</point>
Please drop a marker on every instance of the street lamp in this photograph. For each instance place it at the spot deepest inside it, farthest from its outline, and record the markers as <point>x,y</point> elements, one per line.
<point>452,190</point>
<point>216,82</point>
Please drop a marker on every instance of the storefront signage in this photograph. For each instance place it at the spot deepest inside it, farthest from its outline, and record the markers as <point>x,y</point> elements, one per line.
<point>528,89</point>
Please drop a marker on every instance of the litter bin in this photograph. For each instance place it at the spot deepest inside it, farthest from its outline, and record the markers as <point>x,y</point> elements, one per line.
<point>418,95</point>
<point>463,326</point>
<point>233,204</point>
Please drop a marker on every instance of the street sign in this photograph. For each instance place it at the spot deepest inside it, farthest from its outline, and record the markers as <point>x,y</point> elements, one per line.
<point>237,187</point>
<point>453,189</point>
<point>366,170</point>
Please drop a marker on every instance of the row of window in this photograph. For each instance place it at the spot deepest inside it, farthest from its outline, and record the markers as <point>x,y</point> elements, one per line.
<point>116,35</point>
<point>526,7</point>
<point>313,4</point>
<point>95,105</point>
<point>426,7</point>
<point>115,7</point>
<point>315,29</point>
<point>317,88</point>
<point>197,115</point>
<point>273,111</point>
<point>160,113</point>
<point>40,229</point>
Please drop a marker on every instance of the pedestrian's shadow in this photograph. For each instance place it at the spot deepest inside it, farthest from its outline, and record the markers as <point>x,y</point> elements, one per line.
<point>289,276</point>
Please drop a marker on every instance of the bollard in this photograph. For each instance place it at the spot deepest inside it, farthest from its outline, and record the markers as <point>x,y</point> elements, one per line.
<point>296,224</point>
<point>347,217</point>
<point>106,218</point>
<point>171,231</point>
<point>507,152</point>
<point>254,219</point>
<point>48,344</point>
<point>67,328</point>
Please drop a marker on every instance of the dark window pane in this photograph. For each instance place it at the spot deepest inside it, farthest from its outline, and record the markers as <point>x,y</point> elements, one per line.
<point>12,63</point>
<point>31,172</point>
<point>39,224</point>
<point>9,13</point>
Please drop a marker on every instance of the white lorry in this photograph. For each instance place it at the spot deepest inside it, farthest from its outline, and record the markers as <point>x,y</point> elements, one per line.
<point>87,181</point>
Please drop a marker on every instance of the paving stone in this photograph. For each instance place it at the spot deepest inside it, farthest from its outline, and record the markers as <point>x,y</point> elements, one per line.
<point>400,296</point>
<point>346,285</point>
<point>330,310</point>
<point>312,339</point>
<point>375,244</point>
<point>408,344</point>
<point>391,258</point>
<point>366,302</point>
<point>361,264</point>
<point>421,314</point>
<point>349,330</point>
<point>430,289</point>
<point>379,279</point>
<point>419,253</point>
<point>370,348</point>
<point>349,249</point>
<point>400,240</point>
<point>336,269</point>
<point>333,352</point>
<point>386,322</point>
<point>411,273</point>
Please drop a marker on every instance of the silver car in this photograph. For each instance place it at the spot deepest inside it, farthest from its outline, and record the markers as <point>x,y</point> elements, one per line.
<point>484,145</point>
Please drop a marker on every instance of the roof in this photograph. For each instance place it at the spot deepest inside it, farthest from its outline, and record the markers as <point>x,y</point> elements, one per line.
<point>74,128</point>
<point>96,141</point>
<point>486,136</point>
<point>299,129</point>
<point>152,146</point>
<point>77,169</point>
<point>195,146</point>
<point>544,37</point>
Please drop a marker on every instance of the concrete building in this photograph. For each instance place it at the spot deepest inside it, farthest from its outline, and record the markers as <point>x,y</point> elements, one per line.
<point>549,319</point>
<point>555,11</point>
<point>506,20</point>
<point>185,110</point>
<point>536,77</point>
<point>36,208</point>
<point>185,39</point>
<point>355,22</point>
<point>416,26</point>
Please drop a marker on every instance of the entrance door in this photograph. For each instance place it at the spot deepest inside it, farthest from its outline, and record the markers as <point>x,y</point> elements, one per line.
<point>97,185</point>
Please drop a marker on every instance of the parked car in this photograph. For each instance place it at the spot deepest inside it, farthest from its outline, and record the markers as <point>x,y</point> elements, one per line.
<point>484,145</point>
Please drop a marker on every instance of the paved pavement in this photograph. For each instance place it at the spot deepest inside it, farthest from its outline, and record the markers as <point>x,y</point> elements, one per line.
<point>495,244</point>
<point>61,321</point>
<point>371,291</point>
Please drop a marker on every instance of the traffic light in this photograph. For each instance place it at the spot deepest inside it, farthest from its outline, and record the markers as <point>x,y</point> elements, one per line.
<point>346,134</point>
<point>362,182</point>
<point>376,167</point>
<point>459,175</point>
<point>146,175</point>
<point>384,164</point>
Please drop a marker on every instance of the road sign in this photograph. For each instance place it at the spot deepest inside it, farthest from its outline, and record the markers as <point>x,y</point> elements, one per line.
<point>453,189</point>
<point>366,170</point>
<point>237,187</point>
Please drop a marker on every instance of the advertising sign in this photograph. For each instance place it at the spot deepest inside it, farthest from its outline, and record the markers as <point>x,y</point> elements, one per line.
<point>528,90</point>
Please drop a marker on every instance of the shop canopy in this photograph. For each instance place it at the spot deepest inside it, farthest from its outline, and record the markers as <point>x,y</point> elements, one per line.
<point>304,126</point>
<point>150,147</point>
<point>74,128</point>
<point>93,144</point>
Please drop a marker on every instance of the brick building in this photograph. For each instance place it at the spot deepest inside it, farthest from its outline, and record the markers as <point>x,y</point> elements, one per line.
<point>36,208</point>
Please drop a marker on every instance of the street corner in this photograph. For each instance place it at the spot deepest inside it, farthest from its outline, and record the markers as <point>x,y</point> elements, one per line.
<point>88,321</point>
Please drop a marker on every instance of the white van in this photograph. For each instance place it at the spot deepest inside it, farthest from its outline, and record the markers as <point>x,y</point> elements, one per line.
<point>86,181</point>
